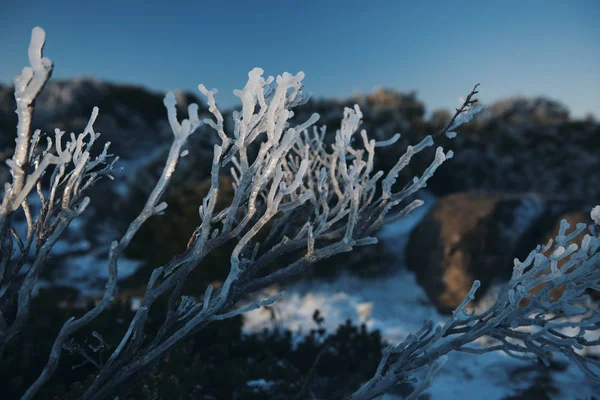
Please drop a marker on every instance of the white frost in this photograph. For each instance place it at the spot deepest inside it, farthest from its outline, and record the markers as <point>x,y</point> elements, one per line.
<point>596,215</point>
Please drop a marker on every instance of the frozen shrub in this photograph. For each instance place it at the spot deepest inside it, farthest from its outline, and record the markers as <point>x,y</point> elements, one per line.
<point>296,201</point>
<point>527,321</point>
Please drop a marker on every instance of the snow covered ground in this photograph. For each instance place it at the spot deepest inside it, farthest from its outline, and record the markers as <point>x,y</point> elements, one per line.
<point>396,305</point>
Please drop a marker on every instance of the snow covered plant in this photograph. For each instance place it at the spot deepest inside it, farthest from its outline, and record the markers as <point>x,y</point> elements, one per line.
<point>296,201</point>
<point>61,201</point>
<point>305,200</point>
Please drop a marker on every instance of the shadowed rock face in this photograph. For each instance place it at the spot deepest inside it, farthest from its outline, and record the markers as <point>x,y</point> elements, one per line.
<point>476,236</point>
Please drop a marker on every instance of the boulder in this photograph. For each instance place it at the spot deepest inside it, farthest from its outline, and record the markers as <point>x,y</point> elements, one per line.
<point>472,236</point>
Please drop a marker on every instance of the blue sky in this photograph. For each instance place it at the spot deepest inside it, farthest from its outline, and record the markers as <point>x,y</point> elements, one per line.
<point>439,48</point>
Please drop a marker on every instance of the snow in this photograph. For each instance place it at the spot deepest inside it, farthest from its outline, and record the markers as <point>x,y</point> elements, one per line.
<point>89,272</point>
<point>395,305</point>
<point>260,384</point>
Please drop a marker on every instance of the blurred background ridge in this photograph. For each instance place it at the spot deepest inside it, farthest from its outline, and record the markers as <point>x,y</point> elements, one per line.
<point>439,48</point>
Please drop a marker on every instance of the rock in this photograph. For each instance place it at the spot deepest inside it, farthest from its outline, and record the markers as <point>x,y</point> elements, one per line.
<point>475,236</point>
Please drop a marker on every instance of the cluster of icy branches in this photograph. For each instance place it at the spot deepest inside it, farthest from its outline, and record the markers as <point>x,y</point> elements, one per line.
<point>294,198</point>
<point>62,199</point>
<point>545,308</point>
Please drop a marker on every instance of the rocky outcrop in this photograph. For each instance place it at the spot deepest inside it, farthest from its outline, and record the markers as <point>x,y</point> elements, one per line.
<point>476,236</point>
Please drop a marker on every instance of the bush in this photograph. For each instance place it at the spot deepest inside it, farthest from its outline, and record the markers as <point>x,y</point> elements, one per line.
<point>295,202</point>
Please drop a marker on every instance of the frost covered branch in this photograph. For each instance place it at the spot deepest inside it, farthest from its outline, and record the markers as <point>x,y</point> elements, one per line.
<point>75,170</point>
<point>544,309</point>
<point>62,200</point>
